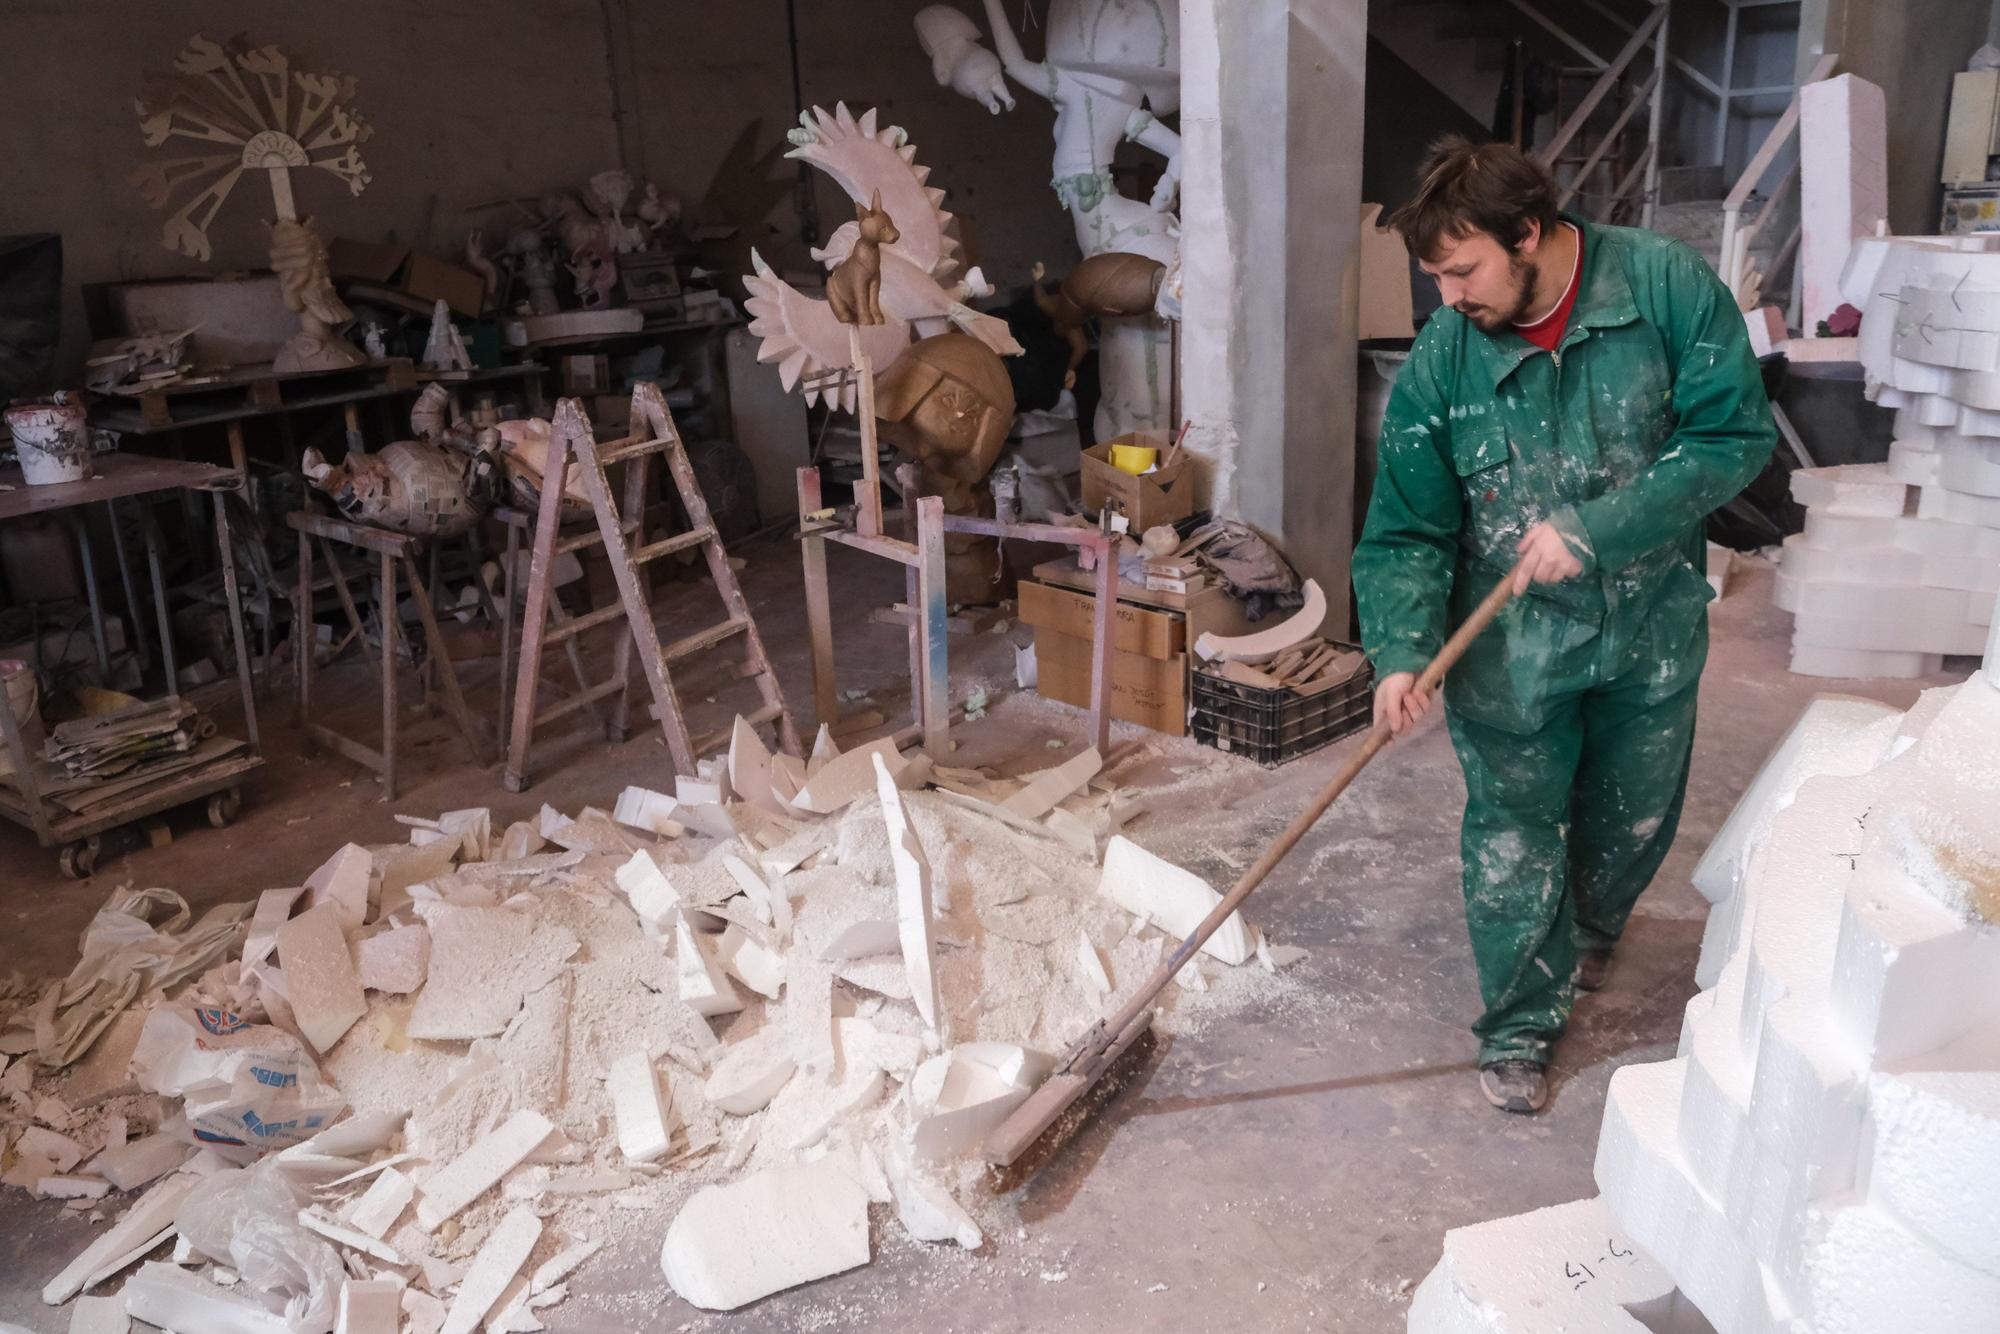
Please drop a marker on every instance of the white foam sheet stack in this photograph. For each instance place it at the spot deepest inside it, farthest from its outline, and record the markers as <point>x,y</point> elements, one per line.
<point>1822,1156</point>
<point>1899,563</point>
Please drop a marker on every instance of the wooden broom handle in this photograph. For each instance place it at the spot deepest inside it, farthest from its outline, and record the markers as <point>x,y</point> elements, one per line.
<point>1378,737</point>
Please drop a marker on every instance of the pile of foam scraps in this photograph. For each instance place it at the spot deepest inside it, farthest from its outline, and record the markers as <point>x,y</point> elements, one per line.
<point>421,1090</point>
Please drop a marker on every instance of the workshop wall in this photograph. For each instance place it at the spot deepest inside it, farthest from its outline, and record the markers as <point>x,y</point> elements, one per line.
<point>473,103</point>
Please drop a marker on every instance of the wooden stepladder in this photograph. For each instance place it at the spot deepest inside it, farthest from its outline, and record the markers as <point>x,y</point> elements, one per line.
<point>621,532</point>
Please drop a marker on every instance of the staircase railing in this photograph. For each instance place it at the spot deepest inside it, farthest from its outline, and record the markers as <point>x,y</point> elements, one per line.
<point>1733,262</point>
<point>1653,28</point>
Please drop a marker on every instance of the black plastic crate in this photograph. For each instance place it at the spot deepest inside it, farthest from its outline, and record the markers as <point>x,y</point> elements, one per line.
<point>1274,727</point>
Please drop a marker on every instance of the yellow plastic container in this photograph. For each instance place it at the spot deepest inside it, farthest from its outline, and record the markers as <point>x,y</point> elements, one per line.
<point>1134,459</point>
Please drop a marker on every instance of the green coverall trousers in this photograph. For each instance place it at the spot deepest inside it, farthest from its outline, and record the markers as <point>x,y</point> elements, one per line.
<point>1563,828</point>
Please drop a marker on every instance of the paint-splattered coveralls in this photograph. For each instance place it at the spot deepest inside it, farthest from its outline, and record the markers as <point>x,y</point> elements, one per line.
<point>1573,716</point>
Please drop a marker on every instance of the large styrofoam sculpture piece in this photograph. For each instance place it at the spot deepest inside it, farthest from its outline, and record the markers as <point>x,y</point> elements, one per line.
<point>1899,561</point>
<point>1109,68</point>
<point>922,288</point>
<point>1823,1154</point>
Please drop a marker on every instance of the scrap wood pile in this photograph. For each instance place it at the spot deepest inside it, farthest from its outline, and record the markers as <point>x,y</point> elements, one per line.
<point>420,1091</point>
<point>1307,668</point>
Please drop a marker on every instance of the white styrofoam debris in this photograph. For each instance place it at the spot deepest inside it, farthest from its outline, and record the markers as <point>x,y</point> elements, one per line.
<point>99,1315</point>
<point>72,1188</point>
<point>342,880</point>
<point>966,1093</point>
<point>648,890</point>
<point>484,962</point>
<point>750,1073</point>
<point>381,1204</point>
<point>847,776</point>
<point>475,1171</point>
<point>1043,790</point>
<point>561,1265</point>
<point>730,1245</point>
<point>643,808</point>
<point>1174,899</point>
<point>394,961</point>
<point>146,1217</point>
<point>703,985</point>
<point>750,767</point>
<point>352,1238</point>
<point>422,1313</point>
<point>634,1085</point>
<point>1090,965</point>
<point>928,1212</point>
<point>913,894</point>
<point>274,908</point>
<point>760,969</point>
<point>862,939</point>
<point>753,886</point>
<point>370,1306</point>
<point>1865,1273</point>
<point>1569,1267</point>
<point>173,1298</point>
<point>499,1259</point>
<point>320,982</point>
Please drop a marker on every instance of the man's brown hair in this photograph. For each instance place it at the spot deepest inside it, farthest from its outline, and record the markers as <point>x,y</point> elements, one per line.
<point>1467,187</point>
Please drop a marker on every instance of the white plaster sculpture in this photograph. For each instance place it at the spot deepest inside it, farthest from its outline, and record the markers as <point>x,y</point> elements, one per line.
<point>958,61</point>
<point>1110,68</point>
<point>922,288</point>
<point>272,117</point>
<point>1878,586</point>
<point>1823,1152</point>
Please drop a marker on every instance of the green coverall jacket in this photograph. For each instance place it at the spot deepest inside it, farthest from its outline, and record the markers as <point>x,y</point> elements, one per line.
<point>1649,414</point>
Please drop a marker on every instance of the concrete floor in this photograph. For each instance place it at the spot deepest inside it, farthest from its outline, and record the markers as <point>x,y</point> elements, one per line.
<point>1292,1167</point>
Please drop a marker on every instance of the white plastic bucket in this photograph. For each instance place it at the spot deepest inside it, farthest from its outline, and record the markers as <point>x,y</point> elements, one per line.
<point>51,441</point>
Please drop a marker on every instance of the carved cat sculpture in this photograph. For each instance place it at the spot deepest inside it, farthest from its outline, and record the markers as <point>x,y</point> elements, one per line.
<point>854,288</point>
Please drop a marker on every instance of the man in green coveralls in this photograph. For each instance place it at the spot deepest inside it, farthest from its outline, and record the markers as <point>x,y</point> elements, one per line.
<point>1583,399</point>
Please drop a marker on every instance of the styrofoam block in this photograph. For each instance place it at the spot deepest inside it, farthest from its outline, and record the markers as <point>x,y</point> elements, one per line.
<point>730,1245</point>
<point>1969,467</point>
<point>1913,465</point>
<point>643,808</point>
<point>704,987</point>
<point>1897,631</point>
<point>1858,565</point>
<point>1843,183</point>
<point>498,1260</point>
<point>342,880</point>
<point>1822,741</point>
<point>965,1094</point>
<point>1835,599</point>
<point>1860,490</point>
<point>132,1164</point>
<point>913,895</point>
<point>760,969</point>
<point>1569,1267</point>
<point>1646,1183</point>
<point>1909,975</point>
<point>1172,898</point>
<point>320,980</point>
<point>1941,502</point>
<point>381,1204</point>
<point>643,1132</point>
<point>1829,531</point>
<point>648,890</point>
<point>1978,575</point>
<point>173,1298</point>
<point>370,1306</point>
<point>1935,1160</point>
<point>475,1171</point>
<point>1861,664</point>
<point>1867,1274</point>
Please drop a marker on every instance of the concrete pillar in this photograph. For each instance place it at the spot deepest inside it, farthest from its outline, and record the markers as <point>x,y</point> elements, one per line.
<point>1271,94</point>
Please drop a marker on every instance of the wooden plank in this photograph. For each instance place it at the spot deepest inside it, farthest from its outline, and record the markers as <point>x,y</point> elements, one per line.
<point>378,540</point>
<point>819,609</point>
<point>934,634</point>
<point>116,477</point>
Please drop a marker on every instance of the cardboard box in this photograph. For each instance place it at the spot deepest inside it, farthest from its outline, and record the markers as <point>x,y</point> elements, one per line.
<point>431,278</point>
<point>586,374</point>
<point>1154,634</point>
<point>1165,495</point>
<point>1149,691</point>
